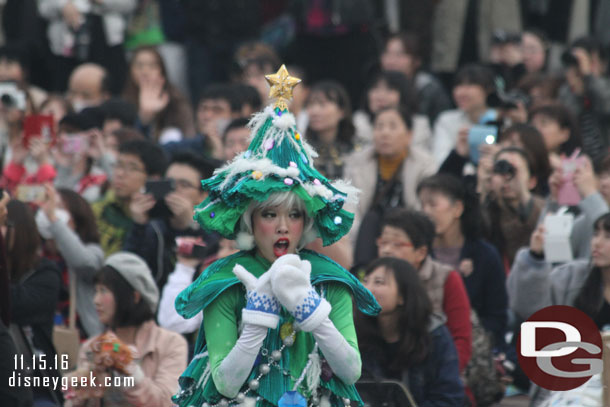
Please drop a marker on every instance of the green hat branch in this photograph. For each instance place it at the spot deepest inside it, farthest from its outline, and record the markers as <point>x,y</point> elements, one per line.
<point>277,160</point>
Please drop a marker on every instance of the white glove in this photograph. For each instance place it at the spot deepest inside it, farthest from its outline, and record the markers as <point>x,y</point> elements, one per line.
<point>293,289</point>
<point>262,308</point>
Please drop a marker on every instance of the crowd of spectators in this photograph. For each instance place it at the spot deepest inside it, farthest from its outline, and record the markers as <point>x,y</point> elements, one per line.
<point>465,125</point>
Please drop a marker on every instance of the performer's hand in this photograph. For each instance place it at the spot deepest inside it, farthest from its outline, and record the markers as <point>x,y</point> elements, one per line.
<point>262,308</point>
<point>292,287</point>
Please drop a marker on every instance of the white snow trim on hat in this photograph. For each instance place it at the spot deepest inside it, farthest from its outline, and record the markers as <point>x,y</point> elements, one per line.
<point>282,124</point>
<point>317,190</point>
<point>259,119</point>
<point>264,165</point>
<point>353,193</point>
<point>285,122</point>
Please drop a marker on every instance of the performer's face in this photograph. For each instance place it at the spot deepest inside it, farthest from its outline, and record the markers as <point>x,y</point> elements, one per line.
<point>277,230</point>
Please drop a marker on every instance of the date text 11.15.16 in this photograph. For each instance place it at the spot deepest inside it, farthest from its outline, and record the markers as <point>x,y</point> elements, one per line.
<point>41,362</point>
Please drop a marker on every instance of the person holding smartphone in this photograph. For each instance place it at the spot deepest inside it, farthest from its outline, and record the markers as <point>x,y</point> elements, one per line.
<point>161,215</point>
<point>473,83</point>
<point>137,161</point>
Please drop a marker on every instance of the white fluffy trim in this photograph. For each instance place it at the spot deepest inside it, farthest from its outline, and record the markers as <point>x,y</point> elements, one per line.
<point>264,165</point>
<point>244,241</point>
<point>285,121</point>
<point>346,187</point>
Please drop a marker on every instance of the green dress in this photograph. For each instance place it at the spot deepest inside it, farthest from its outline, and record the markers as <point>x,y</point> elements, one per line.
<point>222,297</point>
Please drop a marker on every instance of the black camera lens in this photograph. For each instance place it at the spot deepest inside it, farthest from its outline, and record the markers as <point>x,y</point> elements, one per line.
<point>503,167</point>
<point>7,100</point>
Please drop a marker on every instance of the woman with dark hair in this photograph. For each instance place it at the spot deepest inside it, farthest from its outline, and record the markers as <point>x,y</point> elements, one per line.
<point>330,130</point>
<point>68,225</point>
<point>510,210</point>
<point>534,283</point>
<point>409,235</point>
<point>558,128</point>
<point>455,212</point>
<point>164,114</point>
<point>35,285</point>
<point>387,173</point>
<point>391,89</point>
<point>402,53</point>
<point>407,341</point>
<point>528,138</point>
<point>472,85</point>
<point>535,50</point>
<point>126,298</point>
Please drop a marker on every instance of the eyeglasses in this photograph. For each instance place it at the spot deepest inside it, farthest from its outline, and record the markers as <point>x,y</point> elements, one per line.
<point>392,243</point>
<point>127,167</point>
<point>184,184</point>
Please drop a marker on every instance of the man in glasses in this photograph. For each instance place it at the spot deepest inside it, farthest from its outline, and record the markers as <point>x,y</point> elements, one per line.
<point>153,235</point>
<point>138,161</point>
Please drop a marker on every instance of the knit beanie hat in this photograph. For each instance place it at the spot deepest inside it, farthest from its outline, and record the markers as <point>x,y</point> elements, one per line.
<point>138,275</point>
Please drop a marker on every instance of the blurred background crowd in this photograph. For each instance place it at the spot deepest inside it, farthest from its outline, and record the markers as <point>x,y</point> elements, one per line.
<point>467,125</point>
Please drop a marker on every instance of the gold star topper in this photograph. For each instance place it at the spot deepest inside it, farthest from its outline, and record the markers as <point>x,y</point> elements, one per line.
<point>281,87</point>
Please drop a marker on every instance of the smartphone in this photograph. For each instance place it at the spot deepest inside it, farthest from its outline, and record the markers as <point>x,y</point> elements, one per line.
<point>192,247</point>
<point>558,229</point>
<point>30,193</point>
<point>568,193</point>
<point>480,134</point>
<point>38,125</point>
<point>74,143</point>
<point>160,188</point>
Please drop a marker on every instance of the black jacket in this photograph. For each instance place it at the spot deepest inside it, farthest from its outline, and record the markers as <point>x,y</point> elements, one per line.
<point>486,287</point>
<point>155,242</point>
<point>34,301</point>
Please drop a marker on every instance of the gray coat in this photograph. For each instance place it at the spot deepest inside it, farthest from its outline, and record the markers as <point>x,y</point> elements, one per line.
<point>534,284</point>
<point>83,262</point>
<point>592,207</point>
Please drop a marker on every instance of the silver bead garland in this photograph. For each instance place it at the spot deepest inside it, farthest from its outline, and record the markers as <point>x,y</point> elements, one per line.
<point>264,369</point>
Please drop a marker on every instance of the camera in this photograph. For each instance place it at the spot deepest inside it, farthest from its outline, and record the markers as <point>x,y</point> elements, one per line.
<point>11,96</point>
<point>503,167</point>
<point>192,247</point>
<point>501,37</point>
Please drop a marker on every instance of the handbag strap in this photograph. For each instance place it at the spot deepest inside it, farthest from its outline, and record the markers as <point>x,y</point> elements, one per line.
<point>72,310</point>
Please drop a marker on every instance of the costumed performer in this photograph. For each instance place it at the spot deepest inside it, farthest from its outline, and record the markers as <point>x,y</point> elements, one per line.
<point>277,325</point>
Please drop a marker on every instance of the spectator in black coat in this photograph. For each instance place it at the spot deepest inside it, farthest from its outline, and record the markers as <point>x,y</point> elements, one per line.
<point>158,224</point>
<point>35,286</point>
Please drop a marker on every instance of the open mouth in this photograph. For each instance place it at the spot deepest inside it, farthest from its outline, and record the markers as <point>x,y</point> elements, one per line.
<point>280,247</point>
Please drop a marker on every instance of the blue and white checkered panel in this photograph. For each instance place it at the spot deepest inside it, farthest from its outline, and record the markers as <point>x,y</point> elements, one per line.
<point>263,303</point>
<point>308,306</point>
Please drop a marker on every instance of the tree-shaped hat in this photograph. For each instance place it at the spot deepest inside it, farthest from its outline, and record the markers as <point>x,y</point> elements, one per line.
<point>277,160</point>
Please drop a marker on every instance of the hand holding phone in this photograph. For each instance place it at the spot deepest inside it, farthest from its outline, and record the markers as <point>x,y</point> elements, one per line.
<point>568,192</point>
<point>159,189</point>
<point>191,247</point>
<point>480,134</point>
<point>557,246</point>
<point>74,143</point>
<point>38,126</point>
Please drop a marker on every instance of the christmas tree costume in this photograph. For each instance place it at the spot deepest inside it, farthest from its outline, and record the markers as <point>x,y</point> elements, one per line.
<point>281,333</point>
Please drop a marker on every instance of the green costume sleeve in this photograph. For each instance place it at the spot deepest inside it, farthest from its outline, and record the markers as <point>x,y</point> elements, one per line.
<point>342,312</point>
<point>220,320</point>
